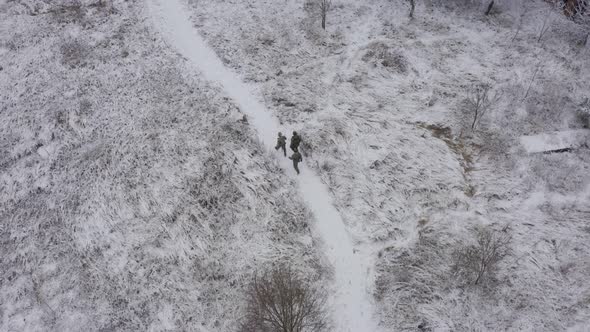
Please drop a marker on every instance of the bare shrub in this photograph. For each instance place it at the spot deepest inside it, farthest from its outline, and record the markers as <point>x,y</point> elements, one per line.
<point>480,100</point>
<point>584,113</point>
<point>69,12</point>
<point>409,278</point>
<point>496,145</point>
<point>318,8</point>
<point>380,53</point>
<point>477,263</point>
<point>532,80</point>
<point>574,8</point>
<point>325,6</point>
<point>577,10</point>
<point>217,174</point>
<point>545,27</point>
<point>73,53</point>
<point>563,174</point>
<point>279,301</point>
<point>519,11</point>
<point>549,107</point>
<point>85,107</point>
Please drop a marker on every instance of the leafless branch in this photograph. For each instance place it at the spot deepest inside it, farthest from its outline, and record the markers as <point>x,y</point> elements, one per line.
<point>478,261</point>
<point>325,6</point>
<point>280,301</point>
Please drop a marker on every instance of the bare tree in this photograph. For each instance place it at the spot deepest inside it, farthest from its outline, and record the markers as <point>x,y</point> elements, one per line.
<point>279,301</point>
<point>490,6</point>
<point>325,6</point>
<point>480,101</point>
<point>521,11</point>
<point>478,261</point>
<point>532,80</point>
<point>545,27</point>
<point>584,113</point>
<point>412,7</point>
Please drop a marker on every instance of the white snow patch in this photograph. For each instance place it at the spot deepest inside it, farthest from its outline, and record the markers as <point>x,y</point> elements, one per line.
<point>554,141</point>
<point>351,305</point>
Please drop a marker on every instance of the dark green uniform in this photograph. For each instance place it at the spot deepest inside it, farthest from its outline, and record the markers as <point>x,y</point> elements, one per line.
<point>282,143</point>
<point>296,157</point>
<point>295,141</point>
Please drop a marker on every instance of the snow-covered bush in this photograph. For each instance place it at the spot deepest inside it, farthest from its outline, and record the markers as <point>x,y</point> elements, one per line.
<point>548,107</point>
<point>478,262</point>
<point>378,53</point>
<point>412,277</point>
<point>579,10</point>
<point>496,145</point>
<point>279,300</point>
<point>73,53</point>
<point>557,172</point>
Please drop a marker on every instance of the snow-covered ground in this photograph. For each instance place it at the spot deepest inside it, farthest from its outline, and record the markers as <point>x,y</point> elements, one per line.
<point>131,198</point>
<point>381,101</point>
<point>110,143</point>
<point>351,308</point>
<point>555,141</point>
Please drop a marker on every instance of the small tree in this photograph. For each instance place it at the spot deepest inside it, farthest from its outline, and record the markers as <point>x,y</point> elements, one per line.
<point>545,27</point>
<point>532,80</point>
<point>279,301</point>
<point>412,7</point>
<point>325,6</point>
<point>476,262</point>
<point>520,9</point>
<point>480,101</point>
<point>584,113</point>
<point>490,6</point>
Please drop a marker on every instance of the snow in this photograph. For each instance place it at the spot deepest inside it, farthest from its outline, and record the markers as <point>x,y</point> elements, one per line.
<point>131,198</point>
<point>552,141</point>
<point>131,176</point>
<point>352,308</point>
<point>406,193</point>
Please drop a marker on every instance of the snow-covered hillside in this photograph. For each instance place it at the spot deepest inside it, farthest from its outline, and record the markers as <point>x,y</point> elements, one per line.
<point>132,197</point>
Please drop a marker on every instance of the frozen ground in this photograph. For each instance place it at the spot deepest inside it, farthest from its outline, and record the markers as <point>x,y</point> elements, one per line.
<point>110,143</point>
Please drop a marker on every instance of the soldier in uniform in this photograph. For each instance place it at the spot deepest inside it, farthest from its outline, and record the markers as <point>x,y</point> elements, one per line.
<point>295,141</point>
<point>296,157</point>
<point>282,143</point>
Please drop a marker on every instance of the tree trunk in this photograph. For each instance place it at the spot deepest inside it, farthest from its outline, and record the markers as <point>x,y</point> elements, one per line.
<point>490,6</point>
<point>324,21</point>
<point>412,7</point>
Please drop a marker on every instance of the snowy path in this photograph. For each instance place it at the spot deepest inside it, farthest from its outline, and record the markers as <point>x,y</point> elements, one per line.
<point>351,306</point>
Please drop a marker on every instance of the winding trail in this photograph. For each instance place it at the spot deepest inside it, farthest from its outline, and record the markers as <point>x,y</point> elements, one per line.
<point>352,309</point>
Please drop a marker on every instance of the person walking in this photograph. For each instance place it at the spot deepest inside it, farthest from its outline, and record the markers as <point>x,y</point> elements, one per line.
<point>282,143</point>
<point>296,157</point>
<point>295,141</point>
